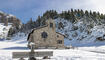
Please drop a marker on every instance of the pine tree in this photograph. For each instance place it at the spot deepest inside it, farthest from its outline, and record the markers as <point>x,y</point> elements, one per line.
<point>38,21</point>
<point>75,11</point>
<point>91,14</point>
<point>78,14</point>
<point>6,22</point>
<point>86,13</point>
<point>98,15</point>
<point>82,13</point>
<point>94,14</point>
<point>72,10</point>
<point>102,16</point>
<point>73,18</point>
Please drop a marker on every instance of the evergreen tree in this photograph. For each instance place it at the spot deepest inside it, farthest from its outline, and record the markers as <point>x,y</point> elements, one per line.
<point>94,14</point>
<point>91,14</point>
<point>6,22</point>
<point>72,10</point>
<point>102,16</point>
<point>75,11</point>
<point>73,18</point>
<point>82,13</point>
<point>39,21</point>
<point>78,14</point>
<point>86,13</point>
<point>98,15</point>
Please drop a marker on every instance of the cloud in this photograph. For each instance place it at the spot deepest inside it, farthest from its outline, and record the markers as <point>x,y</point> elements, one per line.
<point>94,5</point>
<point>24,9</point>
<point>59,5</point>
<point>98,5</point>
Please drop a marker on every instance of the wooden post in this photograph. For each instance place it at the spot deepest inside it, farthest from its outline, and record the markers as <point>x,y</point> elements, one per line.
<point>32,48</point>
<point>32,53</point>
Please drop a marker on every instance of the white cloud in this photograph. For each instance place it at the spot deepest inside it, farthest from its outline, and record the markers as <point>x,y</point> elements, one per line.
<point>33,8</point>
<point>98,5</point>
<point>94,5</point>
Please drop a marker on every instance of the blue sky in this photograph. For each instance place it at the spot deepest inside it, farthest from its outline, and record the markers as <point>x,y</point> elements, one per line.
<point>25,9</point>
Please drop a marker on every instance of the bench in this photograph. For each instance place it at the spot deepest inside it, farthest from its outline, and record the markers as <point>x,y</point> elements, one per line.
<point>32,54</point>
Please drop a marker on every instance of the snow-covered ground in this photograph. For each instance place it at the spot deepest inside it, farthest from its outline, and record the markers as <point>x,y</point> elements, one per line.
<point>68,54</point>
<point>80,53</point>
<point>80,33</point>
<point>4,30</point>
<point>86,46</point>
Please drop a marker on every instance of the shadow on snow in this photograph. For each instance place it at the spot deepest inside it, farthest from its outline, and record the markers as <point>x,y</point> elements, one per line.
<point>16,48</point>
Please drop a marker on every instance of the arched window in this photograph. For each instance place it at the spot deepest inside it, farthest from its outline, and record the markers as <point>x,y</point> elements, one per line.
<point>44,35</point>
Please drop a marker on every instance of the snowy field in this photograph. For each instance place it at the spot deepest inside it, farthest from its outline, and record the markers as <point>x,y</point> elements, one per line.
<point>87,49</point>
<point>80,53</point>
<point>62,55</point>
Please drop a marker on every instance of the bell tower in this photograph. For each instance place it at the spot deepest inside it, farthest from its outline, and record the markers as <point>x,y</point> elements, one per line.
<point>51,32</point>
<point>51,24</point>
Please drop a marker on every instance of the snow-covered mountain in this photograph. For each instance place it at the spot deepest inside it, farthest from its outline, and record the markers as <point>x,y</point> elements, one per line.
<point>9,25</point>
<point>80,28</point>
<point>81,33</point>
<point>85,32</point>
<point>4,30</point>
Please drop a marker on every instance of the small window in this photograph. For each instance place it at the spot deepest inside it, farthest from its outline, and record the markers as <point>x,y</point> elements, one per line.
<point>57,35</point>
<point>51,25</point>
<point>59,42</point>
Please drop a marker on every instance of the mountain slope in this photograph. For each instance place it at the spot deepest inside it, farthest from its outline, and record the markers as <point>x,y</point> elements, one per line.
<point>85,32</point>
<point>81,28</point>
<point>9,25</point>
<point>81,32</point>
<point>4,30</point>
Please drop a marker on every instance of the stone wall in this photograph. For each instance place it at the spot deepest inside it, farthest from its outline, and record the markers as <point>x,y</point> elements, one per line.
<point>50,38</point>
<point>60,37</point>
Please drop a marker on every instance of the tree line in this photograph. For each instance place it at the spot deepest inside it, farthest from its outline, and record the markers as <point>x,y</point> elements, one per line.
<point>72,15</point>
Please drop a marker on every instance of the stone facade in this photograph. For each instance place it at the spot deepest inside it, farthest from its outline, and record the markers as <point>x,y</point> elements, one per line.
<point>46,36</point>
